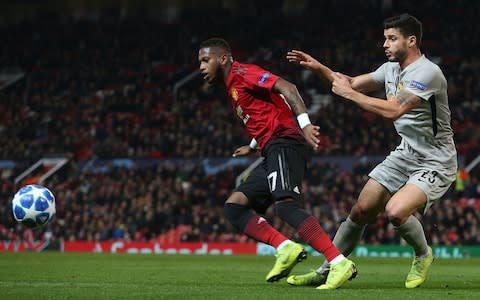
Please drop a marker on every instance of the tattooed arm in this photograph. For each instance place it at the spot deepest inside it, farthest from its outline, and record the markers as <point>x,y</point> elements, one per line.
<point>291,95</point>
<point>393,108</point>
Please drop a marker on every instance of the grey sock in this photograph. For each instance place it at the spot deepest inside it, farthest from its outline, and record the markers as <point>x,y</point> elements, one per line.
<point>412,232</point>
<point>347,237</point>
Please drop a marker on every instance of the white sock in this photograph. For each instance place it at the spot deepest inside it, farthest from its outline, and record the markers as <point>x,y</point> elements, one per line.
<point>286,242</point>
<point>337,259</point>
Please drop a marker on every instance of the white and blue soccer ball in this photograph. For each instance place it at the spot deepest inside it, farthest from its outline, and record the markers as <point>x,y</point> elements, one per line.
<point>33,205</point>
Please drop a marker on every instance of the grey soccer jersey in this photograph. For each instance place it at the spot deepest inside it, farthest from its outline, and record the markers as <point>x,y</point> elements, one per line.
<point>426,129</point>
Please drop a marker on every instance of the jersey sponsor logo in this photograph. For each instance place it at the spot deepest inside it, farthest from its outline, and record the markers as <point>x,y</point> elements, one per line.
<point>417,85</point>
<point>234,94</point>
<point>263,78</point>
<point>245,117</point>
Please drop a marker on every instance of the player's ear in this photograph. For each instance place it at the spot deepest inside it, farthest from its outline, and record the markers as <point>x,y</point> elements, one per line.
<point>224,59</point>
<point>412,41</point>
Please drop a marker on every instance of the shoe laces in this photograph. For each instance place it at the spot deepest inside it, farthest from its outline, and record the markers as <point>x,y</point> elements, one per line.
<point>417,264</point>
<point>334,269</point>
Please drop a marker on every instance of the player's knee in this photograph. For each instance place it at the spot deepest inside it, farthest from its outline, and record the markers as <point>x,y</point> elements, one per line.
<point>237,198</point>
<point>395,220</point>
<point>395,216</point>
<point>360,214</point>
<point>290,212</point>
<point>238,215</point>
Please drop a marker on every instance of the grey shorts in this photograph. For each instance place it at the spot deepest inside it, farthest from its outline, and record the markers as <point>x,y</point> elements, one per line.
<point>399,169</point>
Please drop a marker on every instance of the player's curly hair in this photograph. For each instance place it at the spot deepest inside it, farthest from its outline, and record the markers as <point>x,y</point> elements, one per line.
<point>216,42</point>
<point>407,25</point>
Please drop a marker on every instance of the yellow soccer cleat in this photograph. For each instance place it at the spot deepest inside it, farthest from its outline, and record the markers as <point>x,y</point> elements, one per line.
<point>311,278</point>
<point>287,257</point>
<point>418,272</point>
<point>339,274</point>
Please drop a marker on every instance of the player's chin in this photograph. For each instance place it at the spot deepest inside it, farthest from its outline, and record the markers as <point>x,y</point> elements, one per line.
<point>212,80</point>
<point>392,58</point>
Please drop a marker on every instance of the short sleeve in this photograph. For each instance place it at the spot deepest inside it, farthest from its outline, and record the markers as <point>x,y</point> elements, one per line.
<point>259,78</point>
<point>379,74</point>
<point>421,82</point>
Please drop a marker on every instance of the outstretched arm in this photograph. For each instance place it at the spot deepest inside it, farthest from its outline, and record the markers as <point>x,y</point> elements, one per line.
<point>295,101</point>
<point>362,83</point>
<point>393,108</point>
<point>310,63</point>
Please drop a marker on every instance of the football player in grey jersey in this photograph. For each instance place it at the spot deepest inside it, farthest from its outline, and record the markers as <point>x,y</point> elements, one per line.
<point>421,169</point>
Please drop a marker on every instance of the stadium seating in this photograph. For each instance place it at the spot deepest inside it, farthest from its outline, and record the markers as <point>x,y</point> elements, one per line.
<point>103,88</point>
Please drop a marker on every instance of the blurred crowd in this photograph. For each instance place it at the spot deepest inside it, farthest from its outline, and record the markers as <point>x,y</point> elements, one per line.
<point>184,203</point>
<point>108,87</point>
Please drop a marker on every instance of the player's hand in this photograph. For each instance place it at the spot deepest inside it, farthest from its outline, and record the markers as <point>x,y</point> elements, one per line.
<point>303,59</point>
<point>312,135</point>
<point>243,150</point>
<point>341,85</point>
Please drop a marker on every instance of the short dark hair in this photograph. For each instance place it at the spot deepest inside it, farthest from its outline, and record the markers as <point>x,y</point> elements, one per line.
<point>216,42</point>
<point>407,25</point>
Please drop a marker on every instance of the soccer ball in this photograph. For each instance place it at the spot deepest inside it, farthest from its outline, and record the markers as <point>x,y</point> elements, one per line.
<point>33,205</point>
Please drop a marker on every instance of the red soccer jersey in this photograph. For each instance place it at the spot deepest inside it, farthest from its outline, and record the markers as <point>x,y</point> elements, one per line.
<point>265,114</point>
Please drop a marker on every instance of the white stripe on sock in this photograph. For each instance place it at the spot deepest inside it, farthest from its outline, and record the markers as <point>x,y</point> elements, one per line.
<point>285,242</point>
<point>337,259</point>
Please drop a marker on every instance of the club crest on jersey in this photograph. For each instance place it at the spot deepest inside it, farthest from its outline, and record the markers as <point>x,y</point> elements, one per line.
<point>417,85</point>
<point>400,86</point>
<point>263,78</point>
<point>234,94</point>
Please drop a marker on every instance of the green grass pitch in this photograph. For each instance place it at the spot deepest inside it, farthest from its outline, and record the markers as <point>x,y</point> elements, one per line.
<point>52,275</point>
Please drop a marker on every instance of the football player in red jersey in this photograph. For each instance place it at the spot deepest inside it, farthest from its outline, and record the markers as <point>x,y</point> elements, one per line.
<point>266,103</point>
